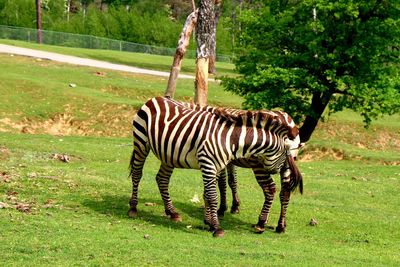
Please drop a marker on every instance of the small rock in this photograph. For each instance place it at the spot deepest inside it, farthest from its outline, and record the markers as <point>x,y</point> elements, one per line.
<point>151,204</point>
<point>313,222</point>
<point>73,85</point>
<point>146,236</point>
<point>61,157</point>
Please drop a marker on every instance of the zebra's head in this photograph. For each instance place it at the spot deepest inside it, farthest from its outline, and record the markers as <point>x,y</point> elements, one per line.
<point>292,138</point>
<point>292,146</point>
<point>292,142</point>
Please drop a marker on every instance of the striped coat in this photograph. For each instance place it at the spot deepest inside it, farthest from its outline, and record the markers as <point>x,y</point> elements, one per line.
<point>182,137</point>
<point>282,163</point>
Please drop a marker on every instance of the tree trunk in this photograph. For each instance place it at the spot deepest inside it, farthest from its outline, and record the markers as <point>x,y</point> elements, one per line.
<point>318,104</point>
<point>180,52</point>
<point>204,37</point>
<point>39,21</point>
<point>201,82</point>
<point>68,9</point>
<point>211,64</point>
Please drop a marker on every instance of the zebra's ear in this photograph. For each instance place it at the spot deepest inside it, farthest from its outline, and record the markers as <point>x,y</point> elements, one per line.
<point>293,132</point>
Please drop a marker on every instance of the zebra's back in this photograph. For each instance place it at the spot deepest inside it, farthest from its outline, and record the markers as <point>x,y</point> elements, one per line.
<point>174,133</point>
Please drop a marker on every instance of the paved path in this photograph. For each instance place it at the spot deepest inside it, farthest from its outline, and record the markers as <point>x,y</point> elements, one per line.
<point>9,49</point>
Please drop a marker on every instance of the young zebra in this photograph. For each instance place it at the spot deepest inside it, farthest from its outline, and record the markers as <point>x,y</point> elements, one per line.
<point>182,137</point>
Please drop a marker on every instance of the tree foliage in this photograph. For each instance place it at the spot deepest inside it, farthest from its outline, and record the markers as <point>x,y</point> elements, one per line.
<point>305,56</point>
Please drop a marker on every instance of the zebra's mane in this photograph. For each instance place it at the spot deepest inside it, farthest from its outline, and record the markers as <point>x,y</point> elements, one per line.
<point>245,116</point>
<point>237,115</point>
<point>242,116</point>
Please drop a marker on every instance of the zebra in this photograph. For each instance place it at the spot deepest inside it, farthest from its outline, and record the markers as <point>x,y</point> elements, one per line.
<point>263,177</point>
<point>182,137</point>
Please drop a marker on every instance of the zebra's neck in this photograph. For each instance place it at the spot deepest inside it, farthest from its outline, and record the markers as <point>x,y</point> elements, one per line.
<point>247,139</point>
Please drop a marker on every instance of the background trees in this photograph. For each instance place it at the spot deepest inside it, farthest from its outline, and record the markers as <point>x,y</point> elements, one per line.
<point>302,56</point>
<point>305,56</point>
<point>140,21</point>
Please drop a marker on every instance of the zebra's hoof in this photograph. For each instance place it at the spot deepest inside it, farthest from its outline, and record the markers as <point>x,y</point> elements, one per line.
<point>259,229</point>
<point>132,213</point>
<point>176,217</point>
<point>279,229</point>
<point>235,210</point>
<point>218,233</point>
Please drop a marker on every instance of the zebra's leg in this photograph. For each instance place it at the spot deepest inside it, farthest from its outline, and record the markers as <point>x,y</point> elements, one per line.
<point>232,181</point>
<point>222,191</point>
<point>207,215</point>
<point>209,173</point>
<point>139,154</point>
<point>162,179</point>
<point>268,186</point>
<point>284,198</point>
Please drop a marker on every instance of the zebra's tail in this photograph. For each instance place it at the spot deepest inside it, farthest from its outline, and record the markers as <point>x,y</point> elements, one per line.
<point>296,179</point>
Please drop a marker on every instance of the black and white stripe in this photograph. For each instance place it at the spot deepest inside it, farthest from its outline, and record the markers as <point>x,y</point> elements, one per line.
<point>195,138</point>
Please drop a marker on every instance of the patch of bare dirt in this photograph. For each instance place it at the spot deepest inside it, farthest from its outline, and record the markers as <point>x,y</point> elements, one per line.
<point>108,120</point>
<point>318,153</point>
<point>373,138</point>
<point>13,202</point>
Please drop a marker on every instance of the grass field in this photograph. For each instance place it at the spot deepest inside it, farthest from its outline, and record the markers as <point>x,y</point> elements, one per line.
<point>155,62</point>
<point>61,213</point>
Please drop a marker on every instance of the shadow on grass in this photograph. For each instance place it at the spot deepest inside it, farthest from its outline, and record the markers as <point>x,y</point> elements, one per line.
<point>117,206</point>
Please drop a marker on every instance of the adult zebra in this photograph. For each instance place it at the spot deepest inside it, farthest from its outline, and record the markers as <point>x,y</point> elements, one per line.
<point>182,137</point>
<point>283,163</point>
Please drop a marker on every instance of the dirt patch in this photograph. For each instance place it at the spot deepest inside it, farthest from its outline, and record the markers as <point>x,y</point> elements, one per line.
<point>318,153</point>
<point>108,120</point>
<point>356,134</point>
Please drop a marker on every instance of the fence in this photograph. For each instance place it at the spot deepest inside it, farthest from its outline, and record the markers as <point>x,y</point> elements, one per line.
<point>89,41</point>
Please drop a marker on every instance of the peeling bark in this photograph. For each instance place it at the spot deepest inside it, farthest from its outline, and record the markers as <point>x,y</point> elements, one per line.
<point>211,64</point>
<point>183,43</point>
<point>205,41</point>
<point>201,82</point>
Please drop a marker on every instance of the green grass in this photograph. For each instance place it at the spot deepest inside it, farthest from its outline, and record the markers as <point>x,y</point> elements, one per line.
<point>85,223</point>
<point>77,210</point>
<point>38,90</point>
<point>155,62</point>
